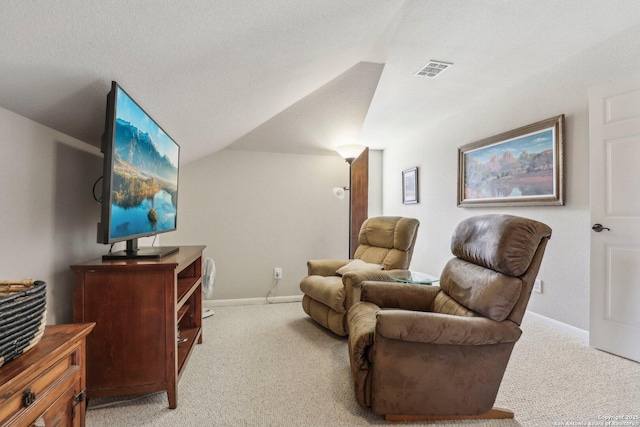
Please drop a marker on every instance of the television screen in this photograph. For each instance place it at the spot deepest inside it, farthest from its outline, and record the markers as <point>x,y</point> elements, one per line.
<point>140,180</point>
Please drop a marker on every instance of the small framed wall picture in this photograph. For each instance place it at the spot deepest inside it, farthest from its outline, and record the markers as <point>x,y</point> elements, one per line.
<point>410,186</point>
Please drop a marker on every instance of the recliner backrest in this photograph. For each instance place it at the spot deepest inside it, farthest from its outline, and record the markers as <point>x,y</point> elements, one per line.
<point>497,260</point>
<point>388,241</point>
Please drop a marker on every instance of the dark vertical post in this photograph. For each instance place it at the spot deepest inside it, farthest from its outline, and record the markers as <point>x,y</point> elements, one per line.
<point>358,198</point>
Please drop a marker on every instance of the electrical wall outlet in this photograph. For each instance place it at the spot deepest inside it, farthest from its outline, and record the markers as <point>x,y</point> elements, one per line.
<point>537,286</point>
<point>277,273</point>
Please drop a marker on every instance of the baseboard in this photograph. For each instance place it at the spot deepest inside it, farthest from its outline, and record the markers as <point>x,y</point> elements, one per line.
<point>581,334</point>
<point>250,301</point>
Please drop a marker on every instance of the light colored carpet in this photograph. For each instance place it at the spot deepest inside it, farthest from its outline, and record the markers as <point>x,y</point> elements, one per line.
<point>271,365</point>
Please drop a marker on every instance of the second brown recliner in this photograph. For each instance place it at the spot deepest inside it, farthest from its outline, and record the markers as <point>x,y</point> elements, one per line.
<point>332,286</point>
<point>440,352</point>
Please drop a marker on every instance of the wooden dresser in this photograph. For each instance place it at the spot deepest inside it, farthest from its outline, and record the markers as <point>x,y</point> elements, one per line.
<point>148,316</point>
<point>45,386</point>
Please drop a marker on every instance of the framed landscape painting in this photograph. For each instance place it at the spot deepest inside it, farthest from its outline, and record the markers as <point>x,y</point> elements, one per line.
<point>522,167</point>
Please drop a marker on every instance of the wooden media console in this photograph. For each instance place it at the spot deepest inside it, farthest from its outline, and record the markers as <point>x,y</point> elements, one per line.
<point>148,316</point>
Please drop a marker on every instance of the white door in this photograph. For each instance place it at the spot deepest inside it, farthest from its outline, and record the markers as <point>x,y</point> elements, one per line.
<point>614,133</point>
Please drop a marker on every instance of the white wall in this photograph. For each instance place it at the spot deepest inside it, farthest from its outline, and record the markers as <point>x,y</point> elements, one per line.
<point>563,89</point>
<point>256,211</point>
<point>48,215</point>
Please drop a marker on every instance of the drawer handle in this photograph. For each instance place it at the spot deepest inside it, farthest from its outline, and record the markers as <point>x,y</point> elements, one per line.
<point>28,397</point>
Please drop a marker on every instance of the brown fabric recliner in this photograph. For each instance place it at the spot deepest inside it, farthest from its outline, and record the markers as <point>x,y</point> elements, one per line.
<point>440,351</point>
<point>385,241</point>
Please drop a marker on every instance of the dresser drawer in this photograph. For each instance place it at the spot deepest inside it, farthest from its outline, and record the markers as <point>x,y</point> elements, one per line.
<point>46,390</point>
<point>17,399</point>
<point>65,408</point>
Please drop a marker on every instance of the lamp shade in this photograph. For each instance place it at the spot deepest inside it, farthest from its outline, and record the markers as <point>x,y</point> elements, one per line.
<point>350,152</point>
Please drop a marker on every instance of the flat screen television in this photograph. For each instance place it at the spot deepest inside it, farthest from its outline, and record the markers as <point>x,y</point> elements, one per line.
<point>140,179</point>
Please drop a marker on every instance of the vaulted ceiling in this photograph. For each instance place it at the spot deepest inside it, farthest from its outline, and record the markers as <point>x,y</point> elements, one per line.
<point>283,75</point>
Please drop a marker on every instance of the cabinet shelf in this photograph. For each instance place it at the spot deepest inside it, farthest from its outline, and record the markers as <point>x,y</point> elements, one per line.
<point>138,307</point>
<point>186,287</point>
<point>185,349</point>
<point>182,311</point>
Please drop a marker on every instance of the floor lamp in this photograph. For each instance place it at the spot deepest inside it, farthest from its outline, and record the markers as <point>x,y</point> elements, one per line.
<point>350,153</point>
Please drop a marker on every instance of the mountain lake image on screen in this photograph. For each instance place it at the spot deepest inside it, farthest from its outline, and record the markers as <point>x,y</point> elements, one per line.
<point>145,174</point>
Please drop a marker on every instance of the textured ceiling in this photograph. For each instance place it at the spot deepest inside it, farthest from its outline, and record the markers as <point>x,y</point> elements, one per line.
<point>493,44</point>
<point>282,75</point>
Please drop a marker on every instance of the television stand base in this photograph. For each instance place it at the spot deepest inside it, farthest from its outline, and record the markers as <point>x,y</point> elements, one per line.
<point>151,252</point>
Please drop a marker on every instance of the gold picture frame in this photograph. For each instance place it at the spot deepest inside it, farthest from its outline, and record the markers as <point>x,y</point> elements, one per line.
<point>522,167</point>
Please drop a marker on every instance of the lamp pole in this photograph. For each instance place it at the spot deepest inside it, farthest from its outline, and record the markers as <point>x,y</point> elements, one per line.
<point>350,161</point>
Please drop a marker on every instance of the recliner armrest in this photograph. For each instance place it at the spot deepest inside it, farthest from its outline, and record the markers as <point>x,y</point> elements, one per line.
<point>362,326</point>
<point>355,278</point>
<point>325,267</point>
<point>353,281</point>
<point>406,296</point>
<point>436,328</point>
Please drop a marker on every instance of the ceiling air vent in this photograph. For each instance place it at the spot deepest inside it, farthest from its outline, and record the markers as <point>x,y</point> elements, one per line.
<point>433,68</point>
